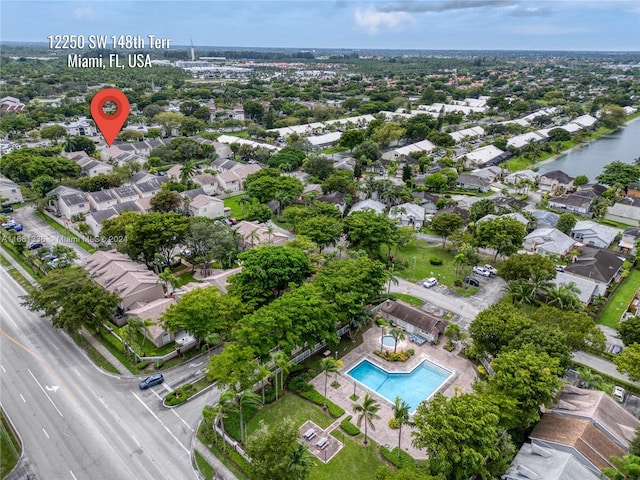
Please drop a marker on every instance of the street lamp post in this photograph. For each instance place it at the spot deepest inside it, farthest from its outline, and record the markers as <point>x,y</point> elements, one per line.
<point>415,264</point>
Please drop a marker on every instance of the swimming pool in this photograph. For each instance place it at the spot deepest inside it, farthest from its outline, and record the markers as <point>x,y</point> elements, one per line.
<point>413,387</point>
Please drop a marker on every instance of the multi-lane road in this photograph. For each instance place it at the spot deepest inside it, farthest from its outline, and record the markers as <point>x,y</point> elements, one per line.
<point>77,422</point>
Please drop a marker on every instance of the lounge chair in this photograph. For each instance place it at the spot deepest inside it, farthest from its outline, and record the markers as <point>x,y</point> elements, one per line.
<point>322,443</point>
<point>309,434</point>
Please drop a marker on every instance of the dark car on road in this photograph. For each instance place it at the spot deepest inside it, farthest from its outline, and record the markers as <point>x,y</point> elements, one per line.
<point>151,381</point>
<point>34,245</point>
<point>471,281</point>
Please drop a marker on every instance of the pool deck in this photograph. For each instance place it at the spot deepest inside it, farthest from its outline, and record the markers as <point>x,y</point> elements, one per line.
<point>462,381</point>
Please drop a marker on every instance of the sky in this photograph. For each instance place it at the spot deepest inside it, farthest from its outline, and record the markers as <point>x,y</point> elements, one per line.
<point>598,25</point>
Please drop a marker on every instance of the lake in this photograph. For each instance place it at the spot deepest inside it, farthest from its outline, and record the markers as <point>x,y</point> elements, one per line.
<point>589,159</point>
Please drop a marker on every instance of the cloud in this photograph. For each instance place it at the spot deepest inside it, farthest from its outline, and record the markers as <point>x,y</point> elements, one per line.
<point>446,5</point>
<point>531,12</point>
<point>84,13</point>
<point>372,20</point>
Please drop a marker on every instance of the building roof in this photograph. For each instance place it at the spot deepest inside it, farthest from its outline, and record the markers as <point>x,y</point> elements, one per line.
<point>324,139</point>
<point>484,155</point>
<point>204,179</point>
<point>191,194</point>
<point>592,229</point>
<point>203,200</point>
<point>411,211</point>
<point>559,176</point>
<point>336,198</point>
<point>466,133</point>
<point>515,215</point>
<point>468,179</point>
<point>572,200</point>
<point>153,185</point>
<point>596,263</point>
<point>152,310</point>
<point>515,177</point>
<point>534,462</point>
<point>125,191</point>
<point>523,140</point>
<point>368,204</point>
<point>101,215</point>
<point>546,218</point>
<point>579,433</point>
<point>588,288</point>
<point>74,199</point>
<point>245,228</point>
<point>550,240</point>
<point>416,317</point>
<point>102,196</point>
<point>422,146</point>
<point>602,410</point>
<point>625,211</point>
<point>130,206</point>
<point>632,231</point>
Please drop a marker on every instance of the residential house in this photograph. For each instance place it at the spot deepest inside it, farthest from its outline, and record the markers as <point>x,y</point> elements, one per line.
<point>319,142</point>
<point>95,218</point>
<point>255,235</point>
<point>621,213</point>
<point>521,141</point>
<point>586,121</point>
<point>629,241</point>
<point>334,198</point>
<point>424,146</point>
<point>491,173</point>
<point>206,206</point>
<point>82,126</point>
<point>101,200</point>
<point>175,172</point>
<point>368,204</point>
<point>207,182</point>
<point>149,188</point>
<point>133,282</point>
<point>633,190</point>
<point>522,176</point>
<point>232,181</point>
<point>463,212</point>
<point>592,190</point>
<point>427,201</point>
<point>151,313</point>
<point>220,278</point>
<point>408,214</point>
<point>92,167</point>
<point>143,204</point>
<point>587,288</point>
<point>594,234</point>
<point>484,157</point>
<point>191,194</point>
<point>9,191</point>
<point>414,320</point>
<point>545,218</point>
<point>346,163</point>
<point>73,204</point>
<point>555,181</point>
<point>515,215</point>
<point>472,182</point>
<point>572,202</point>
<point>534,462</point>
<point>597,264</point>
<point>223,165</point>
<point>467,134</point>
<point>125,193</point>
<point>548,241</point>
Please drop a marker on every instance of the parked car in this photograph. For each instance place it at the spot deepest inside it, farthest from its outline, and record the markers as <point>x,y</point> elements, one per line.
<point>6,209</point>
<point>34,245</point>
<point>429,282</point>
<point>55,263</point>
<point>151,381</point>
<point>471,281</point>
<point>615,349</point>
<point>9,224</point>
<point>559,268</point>
<point>619,393</point>
<point>17,227</point>
<point>482,271</point>
<point>48,257</point>
<point>491,269</point>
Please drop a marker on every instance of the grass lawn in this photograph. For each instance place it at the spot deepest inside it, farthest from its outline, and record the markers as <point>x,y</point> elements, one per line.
<point>620,300</point>
<point>355,461</point>
<point>329,151</point>
<point>417,255</point>
<point>236,208</point>
<point>471,290</point>
<point>94,354</point>
<point>207,470</point>
<point>411,300</point>
<point>296,408</point>
<point>9,447</point>
<point>60,229</point>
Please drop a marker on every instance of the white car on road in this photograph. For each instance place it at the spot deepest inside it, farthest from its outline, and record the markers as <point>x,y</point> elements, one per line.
<point>429,282</point>
<point>482,271</point>
<point>491,269</point>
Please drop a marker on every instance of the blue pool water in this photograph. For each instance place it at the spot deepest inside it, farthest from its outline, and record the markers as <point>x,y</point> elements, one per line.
<point>388,341</point>
<point>413,387</point>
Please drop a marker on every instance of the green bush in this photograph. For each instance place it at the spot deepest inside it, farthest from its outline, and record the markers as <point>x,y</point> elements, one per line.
<point>142,365</point>
<point>179,395</point>
<point>300,383</point>
<point>315,397</point>
<point>401,356</point>
<point>158,364</point>
<point>435,261</point>
<point>394,423</point>
<point>349,427</point>
<point>382,322</point>
<point>406,460</point>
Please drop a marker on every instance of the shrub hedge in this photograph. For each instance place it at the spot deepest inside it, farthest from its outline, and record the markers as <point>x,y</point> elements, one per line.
<point>435,261</point>
<point>315,397</point>
<point>406,460</point>
<point>349,427</point>
<point>401,356</point>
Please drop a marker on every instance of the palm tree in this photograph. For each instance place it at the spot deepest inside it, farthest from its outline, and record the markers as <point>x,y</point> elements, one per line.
<point>299,463</point>
<point>401,415</point>
<point>270,231</point>
<point>187,171</point>
<point>362,317</point>
<point>284,365</point>
<point>210,413</point>
<point>327,365</point>
<point>245,399</point>
<point>398,335</point>
<point>539,283</point>
<point>283,198</point>
<point>243,201</point>
<point>226,404</point>
<point>368,412</point>
<point>253,236</point>
<point>263,374</point>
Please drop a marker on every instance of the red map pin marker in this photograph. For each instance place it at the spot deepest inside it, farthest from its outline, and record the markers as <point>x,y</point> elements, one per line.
<point>110,125</point>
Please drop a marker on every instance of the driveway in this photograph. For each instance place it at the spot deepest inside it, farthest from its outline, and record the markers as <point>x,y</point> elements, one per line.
<point>34,228</point>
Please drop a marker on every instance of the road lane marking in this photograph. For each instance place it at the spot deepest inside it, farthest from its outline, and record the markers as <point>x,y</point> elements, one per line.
<point>46,394</point>
<point>181,419</point>
<point>77,372</point>
<point>136,440</point>
<point>23,399</point>
<point>74,477</point>
<point>3,369</point>
<point>161,423</point>
<point>167,387</point>
<point>45,432</point>
<point>6,314</point>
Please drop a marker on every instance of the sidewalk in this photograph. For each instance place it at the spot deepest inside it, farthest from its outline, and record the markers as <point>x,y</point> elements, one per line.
<point>17,266</point>
<point>222,472</point>
<point>105,353</point>
<point>601,365</point>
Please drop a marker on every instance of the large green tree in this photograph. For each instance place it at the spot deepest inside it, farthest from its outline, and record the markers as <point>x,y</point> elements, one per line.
<point>630,330</point>
<point>504,234</point>
<point>267,272</point>
<point>323,230</point>
<point>566,222</point>
<point>351,139</point>
<point>529,376</point>
<point>495,327</point>
<point>522,266</point>
<point>203,311</point>
<point>460,435</point>
<point>628,361</point>
<point>26,164</point>
<point>71,299</point>
<point>446,224</point>
<point>368,231</point>
<point>156,233</point>
<point>619,174</point>
<point>578,327</point>
<point>276,453</point>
